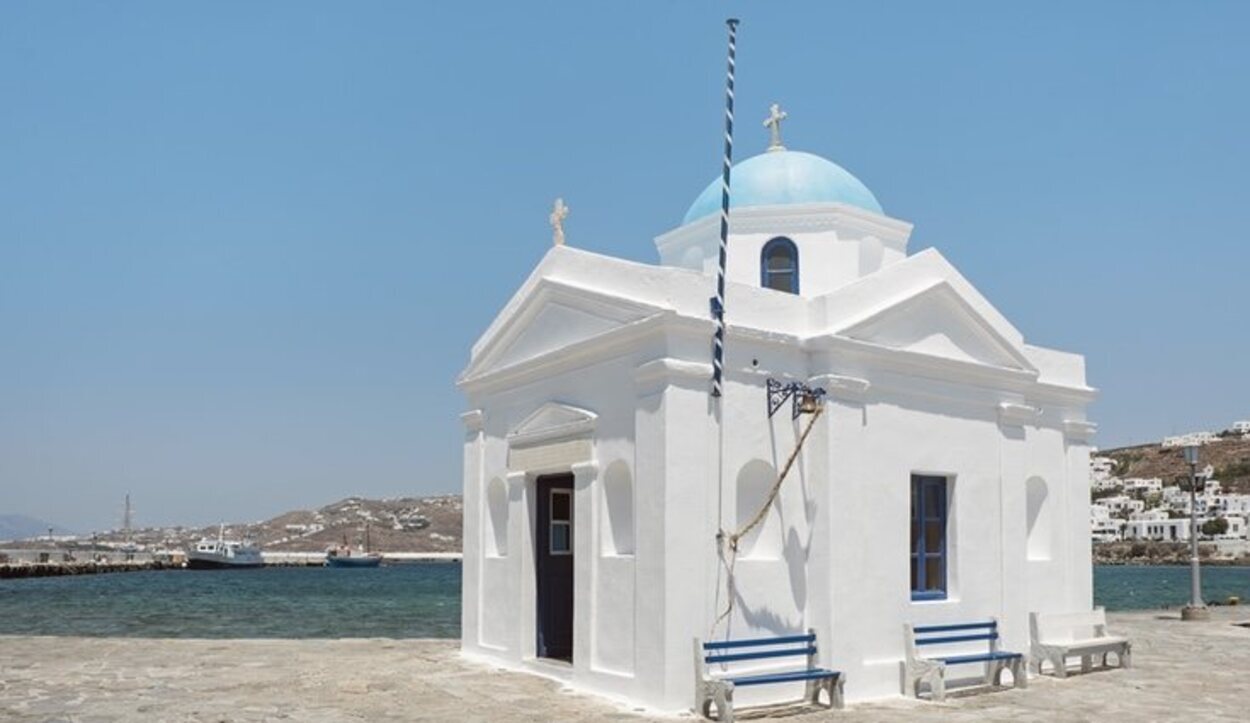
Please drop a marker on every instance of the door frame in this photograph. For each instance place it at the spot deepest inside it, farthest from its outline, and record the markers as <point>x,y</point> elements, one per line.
<point>522,540</point>
<point>549,556</point>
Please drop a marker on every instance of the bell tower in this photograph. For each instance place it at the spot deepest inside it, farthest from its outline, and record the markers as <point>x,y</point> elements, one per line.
<point>799,223</point>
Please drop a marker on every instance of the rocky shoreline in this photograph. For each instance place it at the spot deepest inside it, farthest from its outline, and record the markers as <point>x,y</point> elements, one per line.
<point>1146,552</point>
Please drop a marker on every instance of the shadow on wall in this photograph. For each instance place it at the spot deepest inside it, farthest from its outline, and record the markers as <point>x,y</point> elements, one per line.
<point>1039,527</point>
<point>618,498</point>
<point>763,618</point>
<point>766,543</point>
<point>497,511</point>
<point>755,481</point>
<point>795,553</point>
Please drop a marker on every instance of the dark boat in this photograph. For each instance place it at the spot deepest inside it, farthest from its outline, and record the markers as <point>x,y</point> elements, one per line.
<point>345,556</point>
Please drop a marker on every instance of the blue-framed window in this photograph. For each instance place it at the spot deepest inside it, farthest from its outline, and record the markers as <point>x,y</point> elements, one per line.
<point>928,537</point>
<point>779,265</point>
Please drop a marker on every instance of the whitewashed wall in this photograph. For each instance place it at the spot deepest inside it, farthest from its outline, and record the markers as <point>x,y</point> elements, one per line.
<point>921,389</point>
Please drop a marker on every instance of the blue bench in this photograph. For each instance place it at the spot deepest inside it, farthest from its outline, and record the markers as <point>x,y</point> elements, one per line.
<point>718,688</point>
<point>937,641</point>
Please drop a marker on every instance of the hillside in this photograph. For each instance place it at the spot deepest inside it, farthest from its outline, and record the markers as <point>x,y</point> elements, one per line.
<point>17,527</point>
<point>1230,456</point>
<point>404,524</point>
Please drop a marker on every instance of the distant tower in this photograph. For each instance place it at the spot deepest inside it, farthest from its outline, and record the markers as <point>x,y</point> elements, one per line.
<point>126,521</point>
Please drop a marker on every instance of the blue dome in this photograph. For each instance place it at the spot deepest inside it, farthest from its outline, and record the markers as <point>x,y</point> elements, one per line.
<point>777,178</point>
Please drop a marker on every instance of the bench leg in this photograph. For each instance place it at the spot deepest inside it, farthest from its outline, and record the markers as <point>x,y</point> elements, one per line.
<point>1086,663</point>
<point>1061,665</point>
<point>720,695</point>
<point>704,698</point>
<point>1126,656</point>
<point>704,705</point>
<point>994,673</point>
<point>1019,673</point>
<point>937,686</point>
<point>832,688</point>
<point>724,699</point>
<point>837,692</point>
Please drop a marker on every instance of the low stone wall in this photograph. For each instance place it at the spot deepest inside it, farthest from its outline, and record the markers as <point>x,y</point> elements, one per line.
<point>56,569</point>
<point>1149,552</point>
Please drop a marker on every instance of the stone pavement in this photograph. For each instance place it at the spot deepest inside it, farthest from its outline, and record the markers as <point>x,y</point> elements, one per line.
<point>1183,671</point>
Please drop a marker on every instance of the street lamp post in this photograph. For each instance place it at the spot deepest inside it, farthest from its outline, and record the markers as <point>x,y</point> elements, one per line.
<point>1195,610</point>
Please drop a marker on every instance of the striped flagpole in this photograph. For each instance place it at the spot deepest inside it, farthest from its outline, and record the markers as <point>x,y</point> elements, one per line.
<point>718,303</point>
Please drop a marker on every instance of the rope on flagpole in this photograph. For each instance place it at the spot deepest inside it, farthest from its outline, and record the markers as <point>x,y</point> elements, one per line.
<point>718,308</point>
<point>733,539</point>
<point>718,303</point>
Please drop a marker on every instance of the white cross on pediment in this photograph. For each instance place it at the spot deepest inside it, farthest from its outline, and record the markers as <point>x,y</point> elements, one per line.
<point>559,212</point>
<point>773,124</point>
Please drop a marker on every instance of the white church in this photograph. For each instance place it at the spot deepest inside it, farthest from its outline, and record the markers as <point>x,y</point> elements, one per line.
<point>946,479</point>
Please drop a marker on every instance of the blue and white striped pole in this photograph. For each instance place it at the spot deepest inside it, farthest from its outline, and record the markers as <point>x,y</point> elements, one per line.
<point>718,303</point>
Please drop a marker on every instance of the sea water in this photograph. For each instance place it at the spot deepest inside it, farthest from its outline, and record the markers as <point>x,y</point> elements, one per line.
<point>401,601</point>
<point>1141,587</point>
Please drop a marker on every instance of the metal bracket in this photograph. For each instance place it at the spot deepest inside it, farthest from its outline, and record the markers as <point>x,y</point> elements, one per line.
<point>804,398</point>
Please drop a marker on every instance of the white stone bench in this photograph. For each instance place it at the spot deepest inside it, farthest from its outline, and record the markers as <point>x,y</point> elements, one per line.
<point>1059,636</point>
<point>931,667</point>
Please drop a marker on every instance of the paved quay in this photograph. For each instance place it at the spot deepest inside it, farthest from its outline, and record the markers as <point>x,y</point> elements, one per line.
<point>1183,671</point>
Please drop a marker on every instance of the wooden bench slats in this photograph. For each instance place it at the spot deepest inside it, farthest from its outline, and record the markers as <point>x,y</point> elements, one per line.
<point>751,642</point>
<point>785,677</point>
<point>956,639</point>
<point>923,629</point>
<point>980,658</point>
<point>759,654</point>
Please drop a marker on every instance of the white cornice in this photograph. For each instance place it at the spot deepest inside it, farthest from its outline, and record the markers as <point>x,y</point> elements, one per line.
<point>585,471</point>
<point>842,387</point>
<point>1064,394</point>
<point>542,292</point>
<point>472,420</point>
<point>1079,430</point>
<point>620,340</point>
<point>925,365</point>
<point>658,373</point>
<point>1017,414</point>
<point>578,354</point>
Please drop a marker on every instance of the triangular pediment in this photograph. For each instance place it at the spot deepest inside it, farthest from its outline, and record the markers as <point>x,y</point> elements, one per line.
<point>938,321</point>
<point>552,421</point>
<point>550,318</point>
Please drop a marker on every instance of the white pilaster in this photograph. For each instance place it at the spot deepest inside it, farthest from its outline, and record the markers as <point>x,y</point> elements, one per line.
<point>521,551</point>
<point>584,522</point>
<point>474,499</point>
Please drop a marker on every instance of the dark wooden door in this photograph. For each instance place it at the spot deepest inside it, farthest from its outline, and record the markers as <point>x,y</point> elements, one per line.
<point>553,565</point>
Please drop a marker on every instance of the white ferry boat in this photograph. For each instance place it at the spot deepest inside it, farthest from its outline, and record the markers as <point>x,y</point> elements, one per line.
<point>210,554</point>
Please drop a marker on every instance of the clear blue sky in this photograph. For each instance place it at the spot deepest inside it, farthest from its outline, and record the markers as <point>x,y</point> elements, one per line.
<point>245,247</point>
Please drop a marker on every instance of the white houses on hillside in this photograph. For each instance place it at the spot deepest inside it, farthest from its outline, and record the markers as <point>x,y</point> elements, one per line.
<point>1156,525</point>
<point>947,479</point>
